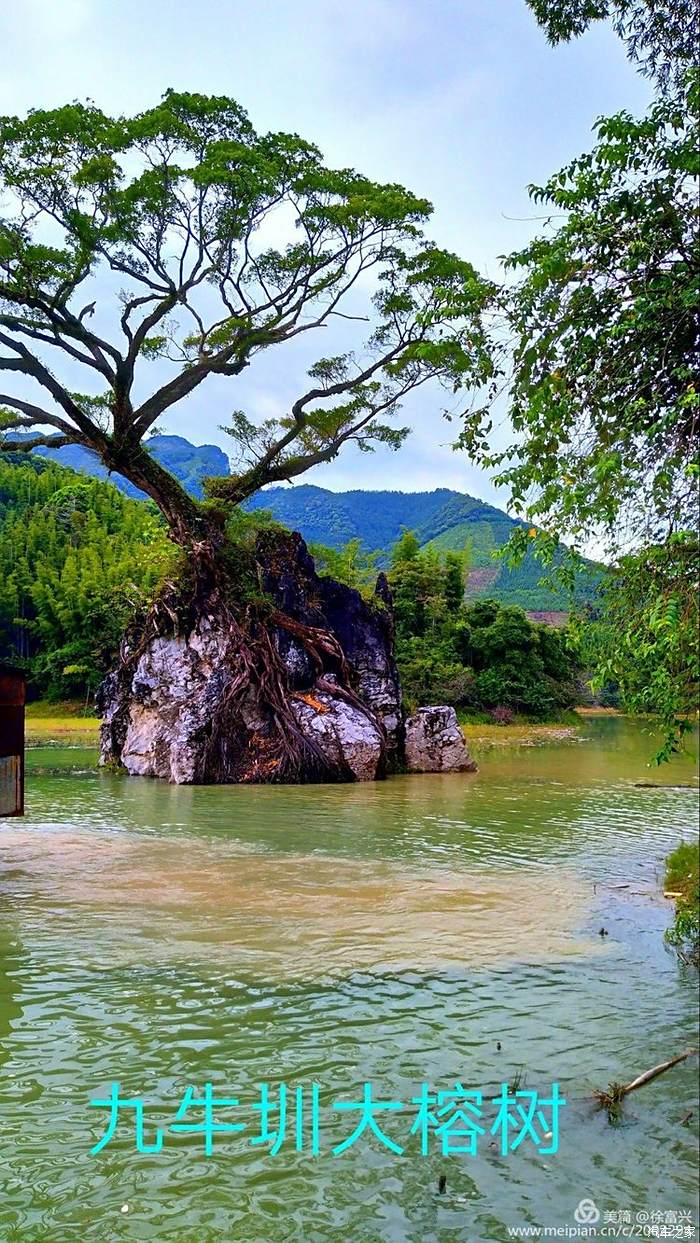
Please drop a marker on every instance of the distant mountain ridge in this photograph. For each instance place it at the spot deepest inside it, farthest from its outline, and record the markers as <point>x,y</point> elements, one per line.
<point>187,462</point>
<point>379,518</point>
<point>376,518</point>
<point>443,519</point>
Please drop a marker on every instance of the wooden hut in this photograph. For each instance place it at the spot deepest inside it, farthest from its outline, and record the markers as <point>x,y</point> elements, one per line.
<point>12,697</point>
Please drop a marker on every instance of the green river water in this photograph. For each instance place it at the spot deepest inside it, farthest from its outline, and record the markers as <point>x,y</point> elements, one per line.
<point>393,933</point>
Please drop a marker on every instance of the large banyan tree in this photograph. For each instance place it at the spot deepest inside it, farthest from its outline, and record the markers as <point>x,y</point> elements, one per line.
<point>182,206</point>
<point>150,254</point>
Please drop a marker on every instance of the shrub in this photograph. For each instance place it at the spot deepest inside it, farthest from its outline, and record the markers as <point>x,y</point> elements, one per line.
<point>683,877</point>
<point>518,685</point>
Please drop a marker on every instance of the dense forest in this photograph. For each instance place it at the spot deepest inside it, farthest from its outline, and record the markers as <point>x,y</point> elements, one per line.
<point>479,655</point>
<point>483,655</point>
<point>76,558</point>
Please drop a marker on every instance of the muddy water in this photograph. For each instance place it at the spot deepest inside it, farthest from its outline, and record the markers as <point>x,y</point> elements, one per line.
<point>397,933</point>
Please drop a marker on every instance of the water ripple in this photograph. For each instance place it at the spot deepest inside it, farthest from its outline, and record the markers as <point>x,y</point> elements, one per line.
<point>422,930</point>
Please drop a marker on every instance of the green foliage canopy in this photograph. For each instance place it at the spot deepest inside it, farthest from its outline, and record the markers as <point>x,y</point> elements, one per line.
<point>478,656</point>
<point>604,401</point>
<point>660,35</point>
<point>647,641</point>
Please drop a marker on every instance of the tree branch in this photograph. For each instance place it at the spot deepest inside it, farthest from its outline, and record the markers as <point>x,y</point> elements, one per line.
<point>37,442</point>
<point>29,365</point>
<point>63,321</point>
<point>35,414</point>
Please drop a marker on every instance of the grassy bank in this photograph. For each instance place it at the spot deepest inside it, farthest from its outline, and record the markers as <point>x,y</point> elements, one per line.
<point>480,730</point>
<point>682,880</point>
<point>66,722</point>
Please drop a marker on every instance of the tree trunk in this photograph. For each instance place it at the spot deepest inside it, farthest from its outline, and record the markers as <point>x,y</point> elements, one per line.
<point>189,523</point>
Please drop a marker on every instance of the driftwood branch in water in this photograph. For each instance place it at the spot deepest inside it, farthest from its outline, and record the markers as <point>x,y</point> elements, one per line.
<point>612,1099</point>
<point>656,1071</point>
<point>657,785</point>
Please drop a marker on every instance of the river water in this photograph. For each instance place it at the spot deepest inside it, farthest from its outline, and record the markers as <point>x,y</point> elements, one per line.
<point>434,930</point>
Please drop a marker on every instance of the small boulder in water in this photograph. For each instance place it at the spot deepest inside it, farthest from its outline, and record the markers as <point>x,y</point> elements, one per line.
<point>435,744</point>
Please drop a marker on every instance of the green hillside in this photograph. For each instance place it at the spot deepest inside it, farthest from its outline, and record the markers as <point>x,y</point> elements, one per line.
<point>444,520</point>
<point>334,518</point>
<point>76,557</point>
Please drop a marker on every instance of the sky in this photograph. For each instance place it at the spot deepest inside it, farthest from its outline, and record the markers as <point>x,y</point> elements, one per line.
<point>463,101</point>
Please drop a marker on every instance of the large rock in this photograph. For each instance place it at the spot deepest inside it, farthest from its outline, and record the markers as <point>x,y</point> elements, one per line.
<point>160,704</point>
<point>364,629</point>
<point>435,744</point>
<point>347,736</point>
<point>155,723</point>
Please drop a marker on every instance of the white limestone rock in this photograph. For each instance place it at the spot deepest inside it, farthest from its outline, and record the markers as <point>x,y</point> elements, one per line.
<point>347,735</point>
<point>435,744</point>
<point>167,712</point>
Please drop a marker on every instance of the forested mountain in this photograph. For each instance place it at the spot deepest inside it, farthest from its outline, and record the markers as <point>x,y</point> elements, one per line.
<point>443,519</point>
<point>187,462</point>
<point>377,519</point>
